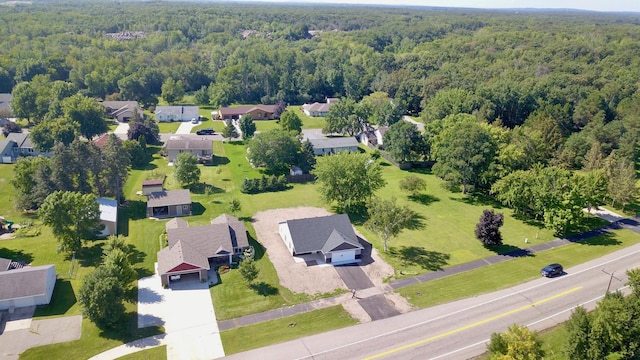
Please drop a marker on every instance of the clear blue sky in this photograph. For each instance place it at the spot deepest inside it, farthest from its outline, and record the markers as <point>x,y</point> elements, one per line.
<point>597,5</point>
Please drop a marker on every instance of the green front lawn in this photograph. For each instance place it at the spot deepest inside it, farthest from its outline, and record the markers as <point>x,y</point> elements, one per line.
<point>308,122</point>
<point>498,276</point>
<point>168,127</point>
<point>285,329</point>
<point>156,353</point>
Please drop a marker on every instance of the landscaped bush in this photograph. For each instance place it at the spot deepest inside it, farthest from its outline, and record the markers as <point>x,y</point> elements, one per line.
<point>223,269</point>
<point>264,184</point>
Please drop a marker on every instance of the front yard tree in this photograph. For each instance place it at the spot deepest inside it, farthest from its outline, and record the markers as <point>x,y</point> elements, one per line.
<point>291,122</point>
<point>248,270</point>
<point>229,130</point>
<point>88,113</point>
<point>518,343</point>
<point>247,126</point>
<point>101,297</point>
<point>186,170</point>
<point>72,216</point>
<point>388,219</point>
<point>119,162</point>
<point>488,228</point>
<point>23,101</point>
<point>274,150</point>
<point>404,142</point>
<point>350,179</point>
<point>234,206</point>
<point>117,261</point>
<point>413,185</point>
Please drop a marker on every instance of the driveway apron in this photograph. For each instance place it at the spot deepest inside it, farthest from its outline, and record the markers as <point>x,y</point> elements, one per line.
<point>354,277</point>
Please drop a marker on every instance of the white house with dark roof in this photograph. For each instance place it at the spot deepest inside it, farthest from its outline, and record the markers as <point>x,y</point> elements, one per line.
<point>176,113</point>
<point>196,249</point>
<point>332,237</point>
<point>319,109</point>
<point>122,111</point>
<point>25,286</point>
<point>108,216</point>
<point>25,146</point>
<point>170,203</point>
<point>7,151</point>
<point>334,145</point>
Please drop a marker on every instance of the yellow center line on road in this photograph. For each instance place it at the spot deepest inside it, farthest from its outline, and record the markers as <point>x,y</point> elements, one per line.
<point>466,327</point>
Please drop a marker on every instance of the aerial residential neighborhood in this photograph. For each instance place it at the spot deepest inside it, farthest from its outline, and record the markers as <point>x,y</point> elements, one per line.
<point>204,180</point>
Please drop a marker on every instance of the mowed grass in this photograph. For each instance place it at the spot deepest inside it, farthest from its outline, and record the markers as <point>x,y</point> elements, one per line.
<point>156,353</point>
<point>515,271</point>
<point>285,329</point>
<point>308,122</point>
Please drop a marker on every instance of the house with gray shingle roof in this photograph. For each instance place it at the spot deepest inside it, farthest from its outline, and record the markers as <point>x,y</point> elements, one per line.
<point>170,203</point>
<point>196,249</point>
<point>202,148</point>
<point>176,113</point>
<point>7,151</point>
<point>25,145</point>
<point>22,286</point>
<point>332,237</point>
<point>123,111</point>
<point>332,145</point>
<point>5,102</point>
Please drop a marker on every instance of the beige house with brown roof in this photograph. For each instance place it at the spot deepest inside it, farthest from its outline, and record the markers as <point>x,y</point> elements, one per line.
<point>201,148</point>
<point>197,249</point>
<point>257,112</point>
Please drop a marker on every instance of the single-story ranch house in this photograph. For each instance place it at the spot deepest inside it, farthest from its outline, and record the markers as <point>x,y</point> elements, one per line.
<point>200,148</point>
<point>25,146</point>
<point>108,216</point>
<point>122,111</point>
<point>196,249</point>
<point>332,237</point>
<point>318,109</point>
<point>170,203</point>
<point>334,145</point>
<point>176,113</point>
<point>257,112</point>
<point>154,185</point>
<point>22,286</point>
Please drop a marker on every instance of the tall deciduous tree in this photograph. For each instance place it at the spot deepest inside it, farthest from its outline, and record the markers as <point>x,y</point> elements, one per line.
<point>488,228</point>
<point>346,117</point>
<point>404,142</point>
<point>172,91</point>
<point>622,180</point>
<point>118,163</point>
<point>349,179</point>
<point>87,113</point>
<point>275,150</point>
<point>578,328</point>
<point>186,170</point>
<point>101,297</point>
<point>387,219</point>
<point>47,133</point>
<point>23,101</point>
<point>247,127</point>
<point>201,96</point>
<point>291,122</point>
<point>518,343</point>
<point>413,185</point>
<point>118,261</point>
<point>72,216</point>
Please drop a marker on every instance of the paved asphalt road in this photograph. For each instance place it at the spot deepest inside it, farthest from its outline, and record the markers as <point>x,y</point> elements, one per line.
<point>460,330</point>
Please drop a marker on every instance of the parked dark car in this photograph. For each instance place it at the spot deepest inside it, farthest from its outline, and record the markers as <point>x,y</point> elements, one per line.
<point>205,132</point>
<point>552,270</point>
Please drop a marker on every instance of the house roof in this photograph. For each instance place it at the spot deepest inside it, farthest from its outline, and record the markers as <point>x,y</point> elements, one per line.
<point>6,144</point>
<point>24,282</point>
<point>108,209</point>
<point>326,234</point>
<point>22,139</point>
<point>172,257</point>
<point>5,101</point>
<point>334,142</point>
<point>168,198</point>
<point>317,107</point>
<point>243,109</point>
<point>4,264</point>
<point>176,223</point>
<point>180,143</point>
<point>118,107</point>
<point>101,140</point>
<point>153,182</point>
<point>178,110</point>
<point>236,229</point>
<point>382,130</point>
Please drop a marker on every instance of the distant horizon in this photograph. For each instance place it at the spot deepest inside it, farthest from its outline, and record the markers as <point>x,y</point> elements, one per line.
<point>585,5</point>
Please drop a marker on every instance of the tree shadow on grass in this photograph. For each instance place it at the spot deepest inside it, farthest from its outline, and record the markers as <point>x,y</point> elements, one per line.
<point>478,198</point>
<point>89,255</point>
<point>197,209</point>
<point>264,289</point>
<point>127,330</point>
<point>508,250</point>
<point>219,160</point>
<point>16,255</point>
<point>259,250</point>
<point>62,300</point>
<point>421,170</point>
<point>601,238</point>
<point>424,199</point>
<point>529,220</point>
<point>136,209</point>
<point>203,188</point>
<point>418,256</point>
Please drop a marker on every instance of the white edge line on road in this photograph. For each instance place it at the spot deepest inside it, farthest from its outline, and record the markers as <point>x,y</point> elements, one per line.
<point>311,355</point>
<point>529,325</point>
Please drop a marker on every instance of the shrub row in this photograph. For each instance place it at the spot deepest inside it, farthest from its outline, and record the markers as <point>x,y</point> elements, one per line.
<point>264,184</point>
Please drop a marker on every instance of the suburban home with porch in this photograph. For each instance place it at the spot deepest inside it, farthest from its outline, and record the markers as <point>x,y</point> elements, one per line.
<point>327,239</point>
<point>170,203</point>
<point>334,145</point>
<point>197,249</point>
<point>122,111</point>
<point>176,113</point>
<point>22,286</point>
<point>202,148</point>
<point>257,112</point>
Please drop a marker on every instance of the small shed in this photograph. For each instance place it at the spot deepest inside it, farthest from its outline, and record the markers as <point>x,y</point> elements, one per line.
<point>108,216</point>
<point>150,186</point>
<point>170,203</point>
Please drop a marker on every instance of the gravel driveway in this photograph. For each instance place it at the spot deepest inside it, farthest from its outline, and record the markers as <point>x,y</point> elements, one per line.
<point>297,277</point>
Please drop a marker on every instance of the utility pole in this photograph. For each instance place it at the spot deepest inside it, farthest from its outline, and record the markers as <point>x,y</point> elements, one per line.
<point>610,280</point>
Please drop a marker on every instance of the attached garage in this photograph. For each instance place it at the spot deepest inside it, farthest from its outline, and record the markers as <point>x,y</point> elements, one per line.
<point>331,236</point>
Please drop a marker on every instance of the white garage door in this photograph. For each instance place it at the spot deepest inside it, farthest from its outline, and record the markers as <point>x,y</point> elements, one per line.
<point>343,256</point>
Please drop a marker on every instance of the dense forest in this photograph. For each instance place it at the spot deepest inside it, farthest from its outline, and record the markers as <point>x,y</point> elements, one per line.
<point>554,88</point>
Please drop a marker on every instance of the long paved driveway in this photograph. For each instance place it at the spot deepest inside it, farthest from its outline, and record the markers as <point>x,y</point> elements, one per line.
<point>461,329</point>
